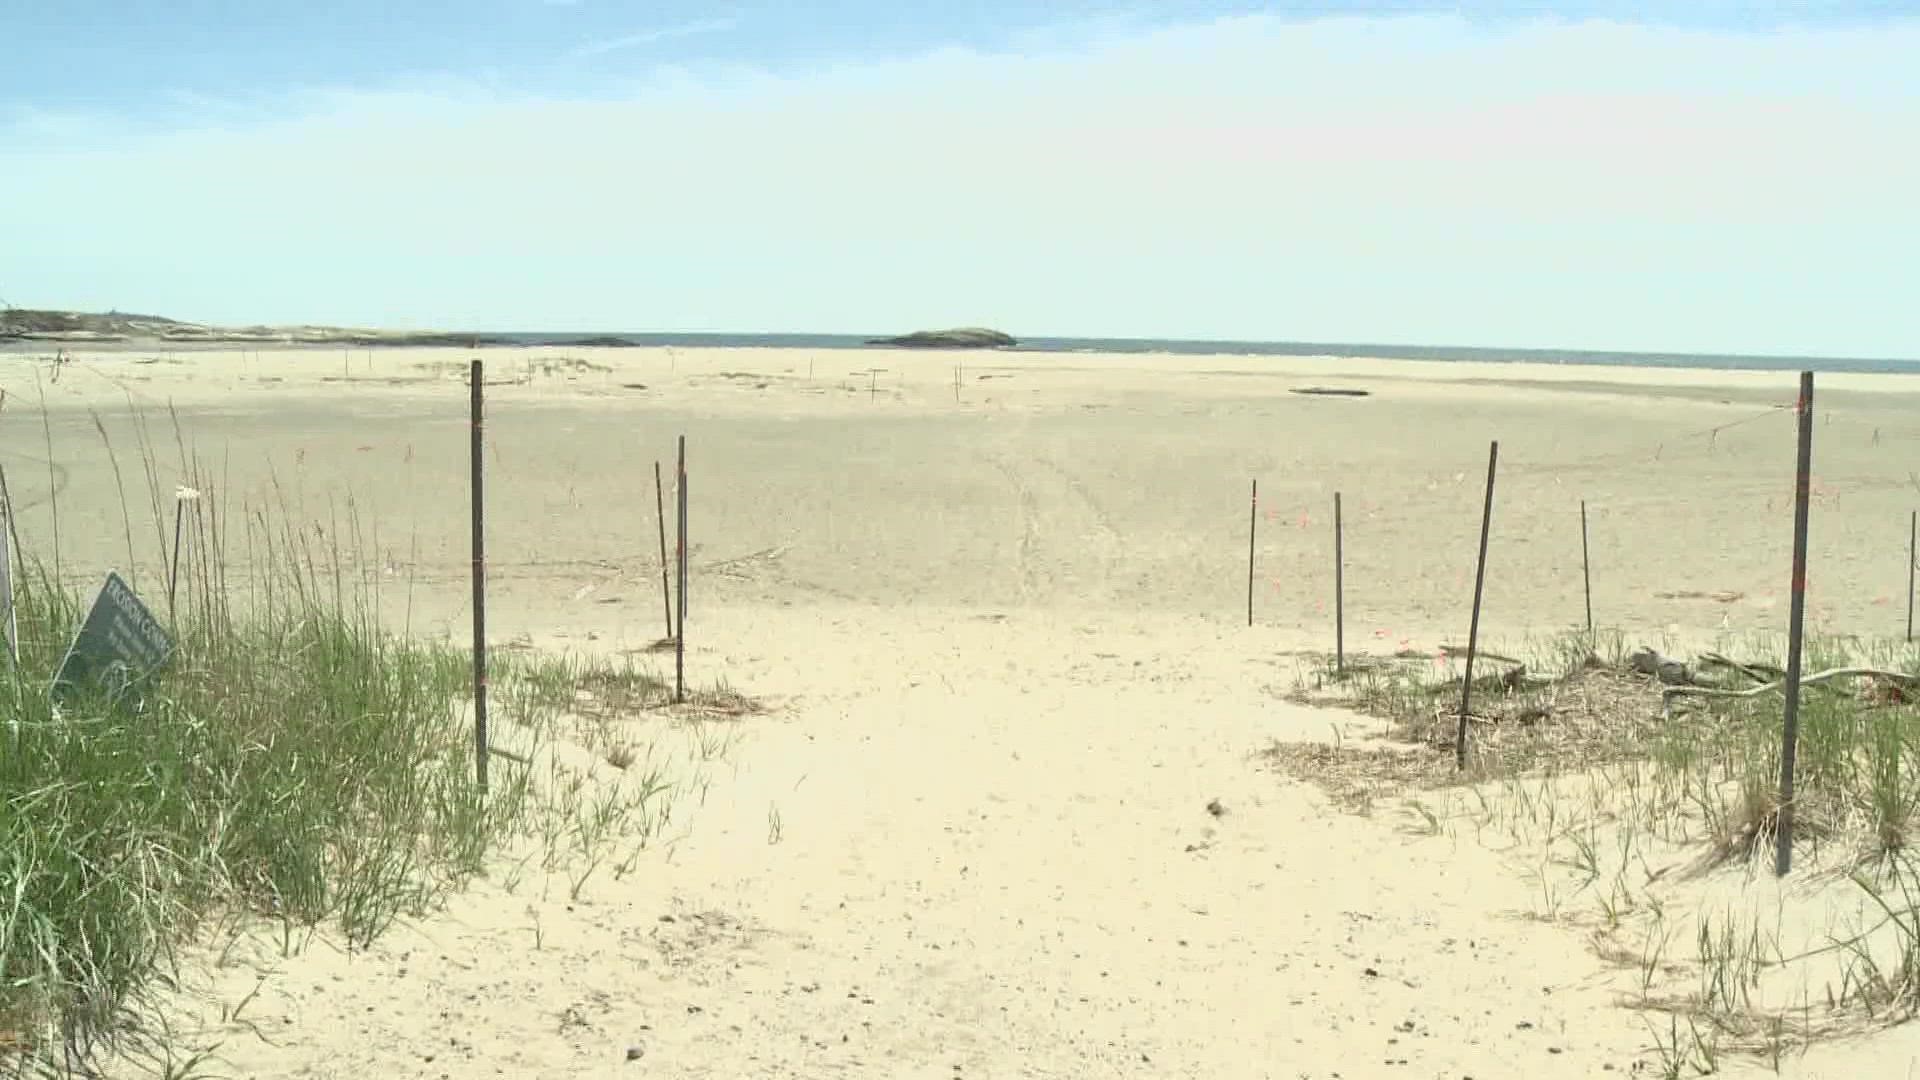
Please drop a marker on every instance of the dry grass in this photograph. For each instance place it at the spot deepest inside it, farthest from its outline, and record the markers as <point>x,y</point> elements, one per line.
<point>1642,799</point>
<point>1591,713</point>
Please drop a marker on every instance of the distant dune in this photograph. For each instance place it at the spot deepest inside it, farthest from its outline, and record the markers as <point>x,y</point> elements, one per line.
<point>27,324</point>
<point>118,327</point>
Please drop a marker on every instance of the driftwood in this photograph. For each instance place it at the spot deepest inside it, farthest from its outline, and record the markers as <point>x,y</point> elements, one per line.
<point>1667,670</point>
<point>1479,654</point>
<point>1708,675</point>
<point>1778,684</point>
<point>1515,677</point>
<point>1757,672</point>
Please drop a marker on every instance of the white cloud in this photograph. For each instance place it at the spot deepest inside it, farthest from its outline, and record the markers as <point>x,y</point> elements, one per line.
<point>664,33</point>
<point>1589,185</point>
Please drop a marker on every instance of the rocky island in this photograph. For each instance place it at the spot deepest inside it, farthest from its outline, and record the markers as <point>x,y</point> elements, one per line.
<point>966,338</point>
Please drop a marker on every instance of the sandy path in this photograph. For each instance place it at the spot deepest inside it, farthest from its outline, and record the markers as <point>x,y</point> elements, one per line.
<point>995,861</point>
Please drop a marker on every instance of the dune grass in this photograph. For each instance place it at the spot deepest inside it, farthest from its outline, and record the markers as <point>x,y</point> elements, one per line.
<point>293,762</point>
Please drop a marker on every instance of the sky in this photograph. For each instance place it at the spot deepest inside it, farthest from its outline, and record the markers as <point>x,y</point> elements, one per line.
<point>1684,177</point>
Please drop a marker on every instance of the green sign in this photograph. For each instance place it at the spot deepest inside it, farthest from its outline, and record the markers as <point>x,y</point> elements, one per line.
<point>120,643</point>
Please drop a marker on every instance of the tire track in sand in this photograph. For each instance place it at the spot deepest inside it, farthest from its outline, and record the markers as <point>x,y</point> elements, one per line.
<point>1046,486</point>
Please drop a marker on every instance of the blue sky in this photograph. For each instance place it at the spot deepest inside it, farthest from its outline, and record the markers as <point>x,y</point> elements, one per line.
<point>1706,176</point>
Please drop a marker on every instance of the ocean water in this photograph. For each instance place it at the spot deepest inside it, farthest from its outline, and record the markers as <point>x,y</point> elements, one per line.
<point>1441,353</point>
<point>1270,348</point>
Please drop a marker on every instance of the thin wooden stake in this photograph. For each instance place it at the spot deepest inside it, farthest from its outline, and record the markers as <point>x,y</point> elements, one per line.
<point>680,633</point>
<point>660,511</point>
<point>1253,529</point>
<point>1586,567</point>
<point>686,535</point>
<point>173,574</point>
<point>6,504</point>
<point>1339,593</point>
<point>1913,528</point>
<point>478,380</point>
<point>1473,629</point>
<point>1790,733</point>
<point>8,624</point>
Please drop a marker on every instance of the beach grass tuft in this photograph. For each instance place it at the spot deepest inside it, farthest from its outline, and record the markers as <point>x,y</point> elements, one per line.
<point>294,763</point>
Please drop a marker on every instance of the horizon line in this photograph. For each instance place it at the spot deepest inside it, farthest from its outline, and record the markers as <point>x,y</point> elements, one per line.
<point>1372,349</point>
<point>1333,348</point>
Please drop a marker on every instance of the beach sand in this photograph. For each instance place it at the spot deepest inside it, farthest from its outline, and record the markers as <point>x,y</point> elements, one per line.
<point>996,606</point>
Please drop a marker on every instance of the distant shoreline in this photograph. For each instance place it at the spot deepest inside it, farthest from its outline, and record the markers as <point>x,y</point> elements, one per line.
<point>190,337</point>
<point>1028,346</point>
